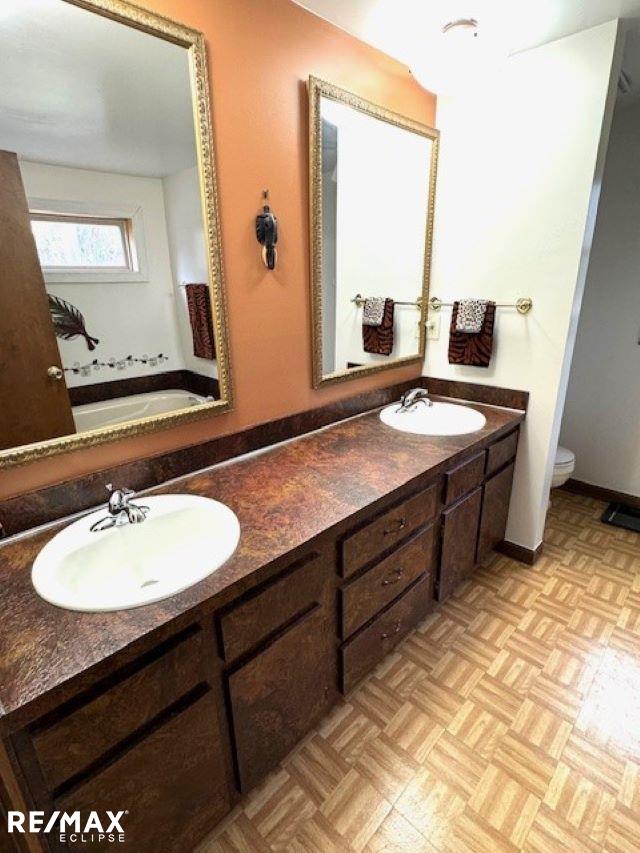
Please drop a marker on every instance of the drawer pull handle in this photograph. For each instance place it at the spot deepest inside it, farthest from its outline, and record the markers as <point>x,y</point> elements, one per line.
<point>396,630</point>
<point>395,526</point>
<point>394,578</point>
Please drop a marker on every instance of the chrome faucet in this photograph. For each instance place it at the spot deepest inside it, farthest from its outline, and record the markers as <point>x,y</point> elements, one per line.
<point>410,399</point>
<point>121,510</point>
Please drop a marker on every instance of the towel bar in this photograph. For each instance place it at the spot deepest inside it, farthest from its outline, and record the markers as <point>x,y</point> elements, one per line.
<point>358,299</point>
<point>522,305</point>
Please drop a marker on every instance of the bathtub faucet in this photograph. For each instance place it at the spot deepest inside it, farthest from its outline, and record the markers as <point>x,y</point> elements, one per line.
<point>121,510</point>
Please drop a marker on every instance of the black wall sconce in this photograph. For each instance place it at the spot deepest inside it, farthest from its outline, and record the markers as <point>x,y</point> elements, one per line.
<point>267,233</point>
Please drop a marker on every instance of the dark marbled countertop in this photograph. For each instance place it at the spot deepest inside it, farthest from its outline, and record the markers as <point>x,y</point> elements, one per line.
<point>284,497</point>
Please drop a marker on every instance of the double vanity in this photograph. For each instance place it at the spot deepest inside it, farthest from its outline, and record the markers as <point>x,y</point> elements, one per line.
<point>174,710</point>
<point>161,656</point>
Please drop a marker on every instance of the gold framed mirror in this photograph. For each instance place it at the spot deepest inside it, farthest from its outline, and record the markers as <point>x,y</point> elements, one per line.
<point>112,306</point>
<point>372,192</point>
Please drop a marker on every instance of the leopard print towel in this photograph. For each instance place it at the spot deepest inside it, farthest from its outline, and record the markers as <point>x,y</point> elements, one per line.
<point>471,315</point>
<point>373,311</point>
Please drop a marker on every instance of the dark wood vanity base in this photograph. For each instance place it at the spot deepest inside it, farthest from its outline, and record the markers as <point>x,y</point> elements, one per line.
<point>174,710</point>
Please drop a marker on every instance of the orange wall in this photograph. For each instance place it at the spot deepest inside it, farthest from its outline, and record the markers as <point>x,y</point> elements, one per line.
<point>260,55</point>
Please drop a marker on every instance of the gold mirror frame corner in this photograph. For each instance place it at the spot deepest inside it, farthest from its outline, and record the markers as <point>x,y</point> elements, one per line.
<point>318,88</point>
<point>157,25</point>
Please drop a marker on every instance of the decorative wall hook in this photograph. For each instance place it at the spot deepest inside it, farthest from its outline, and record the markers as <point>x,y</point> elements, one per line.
<point>267,233</point>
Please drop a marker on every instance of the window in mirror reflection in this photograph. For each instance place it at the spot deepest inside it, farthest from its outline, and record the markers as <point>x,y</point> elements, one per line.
<point>97,129</point>
<point>65,242</point>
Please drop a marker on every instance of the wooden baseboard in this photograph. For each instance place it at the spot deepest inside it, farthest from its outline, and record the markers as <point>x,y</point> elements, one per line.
<point>520,553</point>
<point>599,493</point>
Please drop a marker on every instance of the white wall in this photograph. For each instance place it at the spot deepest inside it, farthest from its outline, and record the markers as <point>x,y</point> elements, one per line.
<point>187,249</point>
<point>382,193</point>
<point>132,318</point>
<point>517,192</point>
<point>601,421</point>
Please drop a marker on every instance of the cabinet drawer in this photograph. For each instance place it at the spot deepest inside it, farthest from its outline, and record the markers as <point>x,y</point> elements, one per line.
<point>502,452</point>
<point>363,597</point>
<point>459,541</point>
<point>273,605</point>
<point>172,784</point>
<point>362,652</point>
<point>464,478</point>
<point>387,530</point>
<point>100,723</point>
<point>495,511</point>
<point>281,693</point>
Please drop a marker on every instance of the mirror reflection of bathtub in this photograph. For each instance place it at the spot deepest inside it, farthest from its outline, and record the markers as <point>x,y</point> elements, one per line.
<point>123,409</point>
<point>108,198</point>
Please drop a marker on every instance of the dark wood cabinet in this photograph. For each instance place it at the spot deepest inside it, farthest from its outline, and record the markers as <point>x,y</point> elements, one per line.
<point>459,539</point>
<point>171,782</point>
<point>387,530</point>
<point>464,478</point>
<point>495,511</point>
<point>367,648</point>
<point>474,520</point>
<point>274,604</point>
<point>501,452</point>
<point>177,732</point>
<point>281,693</point>
<point>68,745</point>
<point>366,595</point>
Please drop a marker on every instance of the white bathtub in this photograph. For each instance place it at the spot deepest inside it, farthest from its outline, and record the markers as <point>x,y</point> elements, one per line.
<point>123,409</point>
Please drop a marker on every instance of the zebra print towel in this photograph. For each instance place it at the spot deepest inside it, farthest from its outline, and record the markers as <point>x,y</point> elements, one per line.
<point>379,339</point>
<point>470,348</point>
<point>200,318</point>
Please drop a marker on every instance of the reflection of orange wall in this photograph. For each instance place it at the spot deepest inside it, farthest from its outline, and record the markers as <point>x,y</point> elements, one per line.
<point>260,55</point>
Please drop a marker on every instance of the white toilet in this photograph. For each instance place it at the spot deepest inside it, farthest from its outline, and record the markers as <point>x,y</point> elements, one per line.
<point>563,467</point>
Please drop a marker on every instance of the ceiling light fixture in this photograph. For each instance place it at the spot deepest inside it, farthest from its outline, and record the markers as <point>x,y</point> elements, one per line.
<point>465,25</point>
<point>457,59</point>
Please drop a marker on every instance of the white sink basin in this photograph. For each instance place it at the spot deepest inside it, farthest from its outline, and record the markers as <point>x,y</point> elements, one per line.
<point>437,419</point>
<point>183,539</point>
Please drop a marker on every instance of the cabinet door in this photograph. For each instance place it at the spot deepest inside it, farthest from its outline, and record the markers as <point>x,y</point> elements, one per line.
<point>281,693</point>
<point>459,540</point>
<point>172,784</point>
<point>244,625</point>
<point>495,509</point>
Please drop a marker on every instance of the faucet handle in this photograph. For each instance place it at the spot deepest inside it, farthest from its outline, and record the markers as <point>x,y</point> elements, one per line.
<point>128,493</point>
<point>118,498</point>
<point>120,510</point>
<point>410,399</point>
<point>413,394</point>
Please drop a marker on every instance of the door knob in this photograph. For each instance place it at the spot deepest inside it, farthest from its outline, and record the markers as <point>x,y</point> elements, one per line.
<point>55,372</point>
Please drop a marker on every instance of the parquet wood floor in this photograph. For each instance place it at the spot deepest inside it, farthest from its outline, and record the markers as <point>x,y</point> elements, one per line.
<point>509,720</point>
